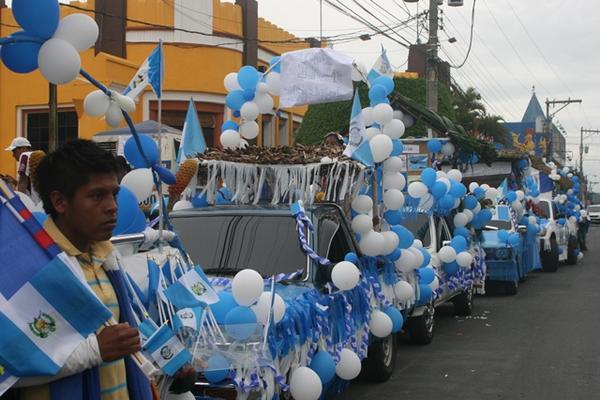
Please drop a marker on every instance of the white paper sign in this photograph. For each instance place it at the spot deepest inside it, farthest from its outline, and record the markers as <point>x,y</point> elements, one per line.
<point>314,76</point>
<point>411,149</point>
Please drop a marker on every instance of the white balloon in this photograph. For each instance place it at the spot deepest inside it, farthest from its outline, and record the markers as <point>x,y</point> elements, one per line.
<point>468,214</point>
<point>381,324</point>
<point>460,220</point>
<point>367,114</point>
<point>80,30</point>
<point>435,284</point>
<point>403,291</point>
<point>394,129</point>
<point>464,259</point>
<point>477,208</point>
<point>140,182</point>
<point>96,103</point>
<point>448,149</point>
<point>182,205</point>
<point>264,102</point>
<point>532,220</point>
<point>394,181</point>
<point>393,199</point>
<point>417,189</point>
<point>485,186</point>
<point>408,120</point>
<point>455,175</point>
<point>417,243</point>
<point>391,242</point>
<point>473,186</point>
<point>566,170</point>
<point>249,130</point>
<point>440,174</point>
<point>569,175</point>
<point>517,206</point>
<point>247,286</point>
<point>446,182</point>
<point>126,103</point>
<point>371,132</point>
<point>345,275</point>
<point>491,194</point>
<point>407,261</point>
<point>114,115</point>
<point>383,113</point>
<point>447,254</point>
<point>249,111</point>
<point>274,82</point>
<point>262,308</point>
<point>362,224</point>
<point>393,164</point>
<point>362,204</point>
<point>399,115</point>
<point>230,139</point>
<point>305,384</point>
<point>456,203</point>
<point>59,61</point>
<point>419,258</point>
<point>520,195</point>
<point>349,365</point>
<point>231,82</point>
<point>435,261</point>
<point>372,243</point>
<point>261,87</point>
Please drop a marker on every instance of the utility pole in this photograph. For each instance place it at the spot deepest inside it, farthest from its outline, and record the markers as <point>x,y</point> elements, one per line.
<point>586,131</point>
<point>548,127</point>
<point>432,58</point>
<point>52,117</point>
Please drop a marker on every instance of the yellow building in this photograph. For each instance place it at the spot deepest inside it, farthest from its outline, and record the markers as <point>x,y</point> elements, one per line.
<point>203,41</point>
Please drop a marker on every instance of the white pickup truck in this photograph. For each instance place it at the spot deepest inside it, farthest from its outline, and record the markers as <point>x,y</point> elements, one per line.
<point>558,237</point>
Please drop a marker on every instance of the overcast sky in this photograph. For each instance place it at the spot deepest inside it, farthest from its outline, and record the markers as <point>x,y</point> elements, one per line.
<point>552,44</point>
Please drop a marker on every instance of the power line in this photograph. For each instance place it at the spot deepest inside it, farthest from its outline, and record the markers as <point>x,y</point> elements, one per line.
<point>470,39</point>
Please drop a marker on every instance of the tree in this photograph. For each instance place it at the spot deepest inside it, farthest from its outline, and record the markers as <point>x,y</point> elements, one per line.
<point>491,125</point>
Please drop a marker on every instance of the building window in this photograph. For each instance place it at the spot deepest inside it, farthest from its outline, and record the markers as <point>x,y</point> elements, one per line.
<point>37,128</point>
<point>283,132</point>
<point>268,133</point>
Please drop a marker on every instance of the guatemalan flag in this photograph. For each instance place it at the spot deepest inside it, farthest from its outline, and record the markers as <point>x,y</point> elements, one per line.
<point>192,138</point>
<point>46,310</point>
<point>151,72</point>
<point>382,67</point>
<point>358,146</point>
<point>192,289</point>
<point>167,350</point>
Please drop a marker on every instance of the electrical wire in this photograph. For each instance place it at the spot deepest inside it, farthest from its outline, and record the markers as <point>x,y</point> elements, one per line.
<point>470,39</point>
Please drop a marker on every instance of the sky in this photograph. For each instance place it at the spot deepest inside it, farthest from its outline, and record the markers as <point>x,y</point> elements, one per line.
<point>517,44</point>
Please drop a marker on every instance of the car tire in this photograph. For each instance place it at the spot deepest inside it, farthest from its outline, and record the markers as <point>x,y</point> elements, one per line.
<point>381,361</point>
<point>420,329</point>
<point>550,257</point>
<point>571,248</point>
<point>463,303</point>
<point>511,288</point>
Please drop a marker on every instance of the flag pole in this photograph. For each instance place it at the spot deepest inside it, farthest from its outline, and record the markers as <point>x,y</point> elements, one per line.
<point>161,211</point>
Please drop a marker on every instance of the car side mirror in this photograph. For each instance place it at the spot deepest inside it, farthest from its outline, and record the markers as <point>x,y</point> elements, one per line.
<point>522,228</point>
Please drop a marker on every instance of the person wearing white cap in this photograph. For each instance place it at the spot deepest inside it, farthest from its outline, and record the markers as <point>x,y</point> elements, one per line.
<point>21,149</point>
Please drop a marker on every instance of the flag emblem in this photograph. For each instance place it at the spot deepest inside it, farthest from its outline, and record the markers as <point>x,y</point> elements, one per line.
<point>43,325</point>
<point>166,353</point>
<point>198,289</point>
<point>1,370</point>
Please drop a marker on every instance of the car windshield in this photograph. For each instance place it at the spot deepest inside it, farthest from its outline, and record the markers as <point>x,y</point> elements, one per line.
<point>595,208</point>
<point>419,226</point>
<point>506,225</point>
<point>224,244</point>
<point>544,209</point>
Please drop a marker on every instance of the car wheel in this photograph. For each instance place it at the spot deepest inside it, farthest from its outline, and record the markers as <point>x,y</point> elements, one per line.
<point>381,360</point>
<point>420,329</point>
<point>550,257</point>
<point>463,303</point>
<point>571,249</point>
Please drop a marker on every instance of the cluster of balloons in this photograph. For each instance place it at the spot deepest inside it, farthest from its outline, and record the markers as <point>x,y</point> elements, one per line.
<point>249,94</point>
<point>440,189</point>
<point>111,107</point>
<point>436,146</point>
<point>47,42</point>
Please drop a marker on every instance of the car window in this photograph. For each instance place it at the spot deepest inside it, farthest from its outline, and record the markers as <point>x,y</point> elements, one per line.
<point>543,209</point>
<point>443,232</point>
<point>268,244</point>
<point>333,240</point>
<point>420,227</point>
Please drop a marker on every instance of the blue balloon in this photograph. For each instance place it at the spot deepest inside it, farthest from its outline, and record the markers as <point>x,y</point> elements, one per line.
<point>470,202</point>
<point>458,243</point>
<point>502,236</point>
<point>235,99</point>
<point>40,217</point>
<point>457,189</point>
<point>324,365</point>
<point>165,174</point>
<point>133,155</point>
<point>127,210</point>
<point>393,217</point>
<point>237,114</point>
<point>428,177</point>
<point>199,201</point>
<point>514,239</point>
<point>275,64</point>
<point>386,82</point>
<point>396,317</point>
<point>426,257</point>
<point>425,294</point>
<point>438,190</point>
<point>377,93</point>
<point>451,268</point>
<point>446,202</point>
<point>139,223</point>
<point>398,147</point>
<point>249,94</point>
<point>248,77</point>
<point>229,125</point>
<point>434,146</point>
<point>217,368</point>
<point>561,221</point>
<point>353,258</point>
<point>462,231</point>
<point>21,57</point>
<point>223,197</point>
<point>38,17</point>
<point>240,323</point>
<point>485,215</point>
<point>426,275</point>
<point>225,304</point>
<point>479,193</point>
<point>395,255</point>
<point>406,237</point>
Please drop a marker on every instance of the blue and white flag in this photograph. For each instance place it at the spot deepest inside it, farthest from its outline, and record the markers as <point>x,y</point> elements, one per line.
<point>188,318</point>
<point>151,72</point>
<point>192,139</point>
<point>192,289</point>
<point>357,132</point>
<point>6,380</point>
<point>382,67</point>
<point>167,350</point>
<point>502,189</point>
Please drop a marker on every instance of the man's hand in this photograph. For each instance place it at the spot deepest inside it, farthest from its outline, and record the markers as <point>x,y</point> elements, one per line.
<point>118,341</point>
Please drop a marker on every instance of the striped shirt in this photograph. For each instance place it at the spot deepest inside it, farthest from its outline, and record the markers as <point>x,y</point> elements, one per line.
<point>113,380</point>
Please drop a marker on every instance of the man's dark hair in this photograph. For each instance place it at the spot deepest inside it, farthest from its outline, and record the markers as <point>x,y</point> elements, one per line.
<point>71,166</point>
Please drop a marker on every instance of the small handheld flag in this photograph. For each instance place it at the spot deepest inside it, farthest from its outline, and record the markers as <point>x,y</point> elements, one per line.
<point>167,350</point>
<point>192,140</point>
<point>192,289</point>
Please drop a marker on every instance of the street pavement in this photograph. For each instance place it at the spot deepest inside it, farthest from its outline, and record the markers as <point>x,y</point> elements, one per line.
<point>543,343</point>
